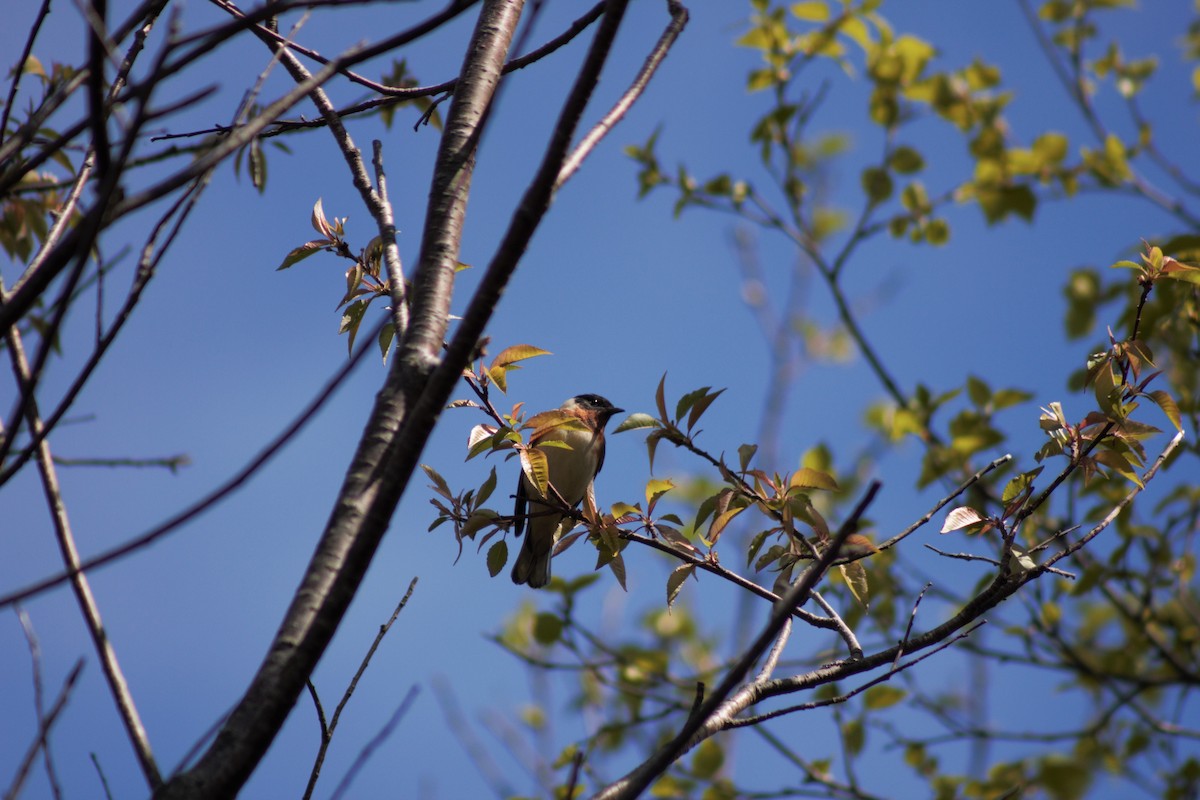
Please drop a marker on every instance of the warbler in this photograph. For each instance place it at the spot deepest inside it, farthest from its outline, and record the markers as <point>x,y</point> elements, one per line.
<point>571,472</point>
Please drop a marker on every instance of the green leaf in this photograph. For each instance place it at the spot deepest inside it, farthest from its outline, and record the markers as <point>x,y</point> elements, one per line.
<point>879,697</point>
<point>439,483</point>
<point>936,232</point>
<point>352,318</point>
<point>760,79</point>
<point>635,421</point>
<point>518,352</point>
<point>877,184</point>
<point>709,759</point>
<point>1019,484</point>
<point>675,581</point>
<point>486,489</point>
<point>1051,148</point>
<point>807,478</point>
<point>533,463</point>
<point>387,335</point>
<point>497,557</point>
<point>906,160</point>
<point>1119,464</point>
<point>979,392</point>
<point>856,580</point>
<point>701,405</point>
<point>656,488</point>
<point>719,523</point>
<point>857,31</point>
<point>745,454</point>
<point>1169,407</point>
<point>302,252</point>
<point>814,11</point>
<point>854,736</point>
<point>547,627</point>
<point>617,567</point>
<point>690,399</point>
<point>1064,778</point>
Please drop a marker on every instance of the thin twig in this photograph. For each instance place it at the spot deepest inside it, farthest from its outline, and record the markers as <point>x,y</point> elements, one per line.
<point>679,18</point>
<point>327,730</point>
<point>912,618</point>
<point>39,692</point>
<point>379,738</point>
<point>38,743</point>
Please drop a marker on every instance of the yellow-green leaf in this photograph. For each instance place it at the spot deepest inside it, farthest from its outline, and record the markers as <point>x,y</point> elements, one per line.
<point>814,11</point>
<point>1167,404</point>
<point>533,464</point>
<point>518,352</point>
<point>807,478</point>
<point>878,697</point>
<point>856,579</point>
<point>719,523</point>
<point>656,488</point>
<point>709,759</point>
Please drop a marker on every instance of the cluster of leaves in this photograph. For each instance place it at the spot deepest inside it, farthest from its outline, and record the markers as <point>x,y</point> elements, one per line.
<point>31,198</point>
<point>365,281</point>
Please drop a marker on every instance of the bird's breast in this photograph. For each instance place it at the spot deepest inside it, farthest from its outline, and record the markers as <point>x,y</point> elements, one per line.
<point>572,470</point>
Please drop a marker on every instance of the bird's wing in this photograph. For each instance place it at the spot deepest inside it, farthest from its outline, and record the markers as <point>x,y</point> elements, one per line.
<point>519,509</point>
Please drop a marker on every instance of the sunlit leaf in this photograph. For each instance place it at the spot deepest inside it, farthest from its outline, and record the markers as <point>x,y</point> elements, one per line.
<point>635,421</point>
<point>533,464</point>
<point>856,580</point>
<point>518,352</point>
<point>810,11</point>
<point>656,488</point>
<point>961,517</point>
<point>807,478</point>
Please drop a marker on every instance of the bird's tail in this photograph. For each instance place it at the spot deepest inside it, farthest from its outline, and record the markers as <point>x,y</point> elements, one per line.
<point>532,568</point>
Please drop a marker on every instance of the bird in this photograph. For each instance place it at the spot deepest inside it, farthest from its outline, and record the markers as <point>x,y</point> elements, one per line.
<point>571,472</point>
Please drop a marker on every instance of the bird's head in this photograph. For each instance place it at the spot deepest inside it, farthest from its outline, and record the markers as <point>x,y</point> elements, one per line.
<point>592,409</point>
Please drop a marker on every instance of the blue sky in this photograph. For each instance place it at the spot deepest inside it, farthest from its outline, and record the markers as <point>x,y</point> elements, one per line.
<point>225,350</point>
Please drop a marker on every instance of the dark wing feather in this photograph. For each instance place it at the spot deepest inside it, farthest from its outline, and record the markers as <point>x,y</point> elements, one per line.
<point>519,509</point>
